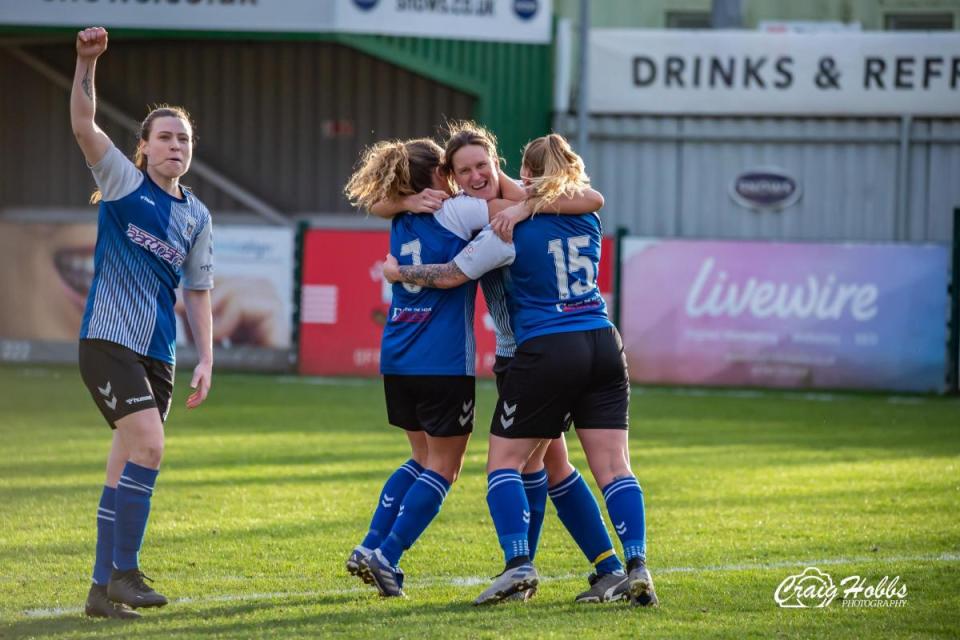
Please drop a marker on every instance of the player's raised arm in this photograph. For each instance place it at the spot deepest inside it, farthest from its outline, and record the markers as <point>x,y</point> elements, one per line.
<point>91,43</point>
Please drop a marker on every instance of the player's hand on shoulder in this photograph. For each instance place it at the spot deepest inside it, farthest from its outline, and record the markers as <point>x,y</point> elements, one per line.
<point>91,42</point>
<point>427,201</point>
<point>504,222</point>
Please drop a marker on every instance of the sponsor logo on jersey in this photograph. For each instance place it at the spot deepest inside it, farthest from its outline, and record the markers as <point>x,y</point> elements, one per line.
<point>148,201</point>
<point>593,302</point>
<point>408,314</point>
<point>155,245</point>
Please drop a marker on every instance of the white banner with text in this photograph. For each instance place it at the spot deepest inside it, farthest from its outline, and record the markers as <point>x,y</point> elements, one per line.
<point>746,73</point>
<point>525,21</point>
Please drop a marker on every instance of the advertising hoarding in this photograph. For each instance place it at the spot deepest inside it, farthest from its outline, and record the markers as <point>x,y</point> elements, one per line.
<point>46,270</point>
<point>526,21</point>
<point>785,314</point>
<point>345,300</point>
<point>751,73</point>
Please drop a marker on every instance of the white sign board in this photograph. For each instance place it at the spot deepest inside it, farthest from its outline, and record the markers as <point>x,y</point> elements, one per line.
<point>737,72</point>
<point>503,20</point>
<point>498,20</point>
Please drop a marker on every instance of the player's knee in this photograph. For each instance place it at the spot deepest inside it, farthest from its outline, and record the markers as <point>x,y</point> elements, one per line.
<point>148,455</point>
<point>557,470</point>
<point>450,470</point>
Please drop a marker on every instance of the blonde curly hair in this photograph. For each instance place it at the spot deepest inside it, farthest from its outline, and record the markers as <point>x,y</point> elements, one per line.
<point>555,170</point>
<point>393,169</point>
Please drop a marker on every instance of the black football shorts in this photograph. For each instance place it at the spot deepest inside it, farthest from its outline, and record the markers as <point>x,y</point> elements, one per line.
<point>122,381</point>
<point>562,379</point>
<point>442,406</point>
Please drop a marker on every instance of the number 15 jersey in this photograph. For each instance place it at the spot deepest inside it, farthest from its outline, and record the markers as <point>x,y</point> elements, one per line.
<point>553,280</point>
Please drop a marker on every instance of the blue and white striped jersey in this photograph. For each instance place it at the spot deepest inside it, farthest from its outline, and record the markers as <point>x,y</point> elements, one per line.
<point>493,284</point>
<point>430,331</point>
<point>147,241</point>
<point>484,259</point>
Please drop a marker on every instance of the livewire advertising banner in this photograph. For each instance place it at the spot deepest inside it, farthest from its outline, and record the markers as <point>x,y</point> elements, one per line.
<point>526,21</point>
<point>765,314</point>
<point>46,270</point>
<point>754,73</point>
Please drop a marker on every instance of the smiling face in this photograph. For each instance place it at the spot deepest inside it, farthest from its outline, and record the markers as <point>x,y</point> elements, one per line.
<point>476,172</point>
<point>169,147</point>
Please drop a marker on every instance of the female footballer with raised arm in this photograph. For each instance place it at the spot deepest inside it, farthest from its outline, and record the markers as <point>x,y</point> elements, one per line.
<point>152,234</point>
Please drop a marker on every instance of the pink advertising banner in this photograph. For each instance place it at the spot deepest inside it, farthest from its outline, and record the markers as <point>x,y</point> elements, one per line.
<point>765,314</point>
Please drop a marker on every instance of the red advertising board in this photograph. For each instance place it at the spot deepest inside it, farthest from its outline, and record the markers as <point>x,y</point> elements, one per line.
<point>344,304</point>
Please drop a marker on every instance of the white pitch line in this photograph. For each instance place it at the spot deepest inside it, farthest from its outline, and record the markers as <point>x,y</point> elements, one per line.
<point>473,581</point>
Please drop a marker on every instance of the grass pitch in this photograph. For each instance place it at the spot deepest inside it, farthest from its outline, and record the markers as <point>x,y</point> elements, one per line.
<point>266,488</point>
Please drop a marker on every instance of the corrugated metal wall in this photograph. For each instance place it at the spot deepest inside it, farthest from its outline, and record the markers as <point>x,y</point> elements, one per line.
<point>286,120</point>
<point>668,176</point>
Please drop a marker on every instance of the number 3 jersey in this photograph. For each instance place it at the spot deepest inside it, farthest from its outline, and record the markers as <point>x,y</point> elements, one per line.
<point>430,331</point>
<point>551,284</point>
<point>147,240</point>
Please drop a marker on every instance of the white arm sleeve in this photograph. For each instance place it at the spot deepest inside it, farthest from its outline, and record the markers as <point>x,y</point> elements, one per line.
<point>485,253</point>
<point>463,215</point>
<point>198,267</point>
<point>115,175</point>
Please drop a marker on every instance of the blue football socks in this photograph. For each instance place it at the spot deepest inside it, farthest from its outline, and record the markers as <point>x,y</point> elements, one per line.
<point>580,514</point>
<point>133,508</point>
<point>106,522</point>
<point>624,500</point>
<point>510,512</point>
<point>535,486</point>
<point>391,497</point>
<point>418,509</point>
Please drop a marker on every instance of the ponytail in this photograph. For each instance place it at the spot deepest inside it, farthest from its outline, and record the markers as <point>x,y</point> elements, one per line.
<point>555,170</point>
<point>392,169</point>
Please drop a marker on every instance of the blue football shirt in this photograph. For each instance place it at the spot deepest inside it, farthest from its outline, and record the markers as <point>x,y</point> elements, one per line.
<point>430,331</point>
<point>147,241</point>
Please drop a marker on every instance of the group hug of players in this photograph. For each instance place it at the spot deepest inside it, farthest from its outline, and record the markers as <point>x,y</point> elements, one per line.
<point>534,247</point>
<point>457,219</point>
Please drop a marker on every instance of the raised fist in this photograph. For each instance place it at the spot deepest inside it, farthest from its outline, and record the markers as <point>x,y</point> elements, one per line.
<point>91,42</point>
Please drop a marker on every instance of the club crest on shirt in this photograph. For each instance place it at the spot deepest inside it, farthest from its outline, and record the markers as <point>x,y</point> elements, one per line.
<point>155,245</point>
